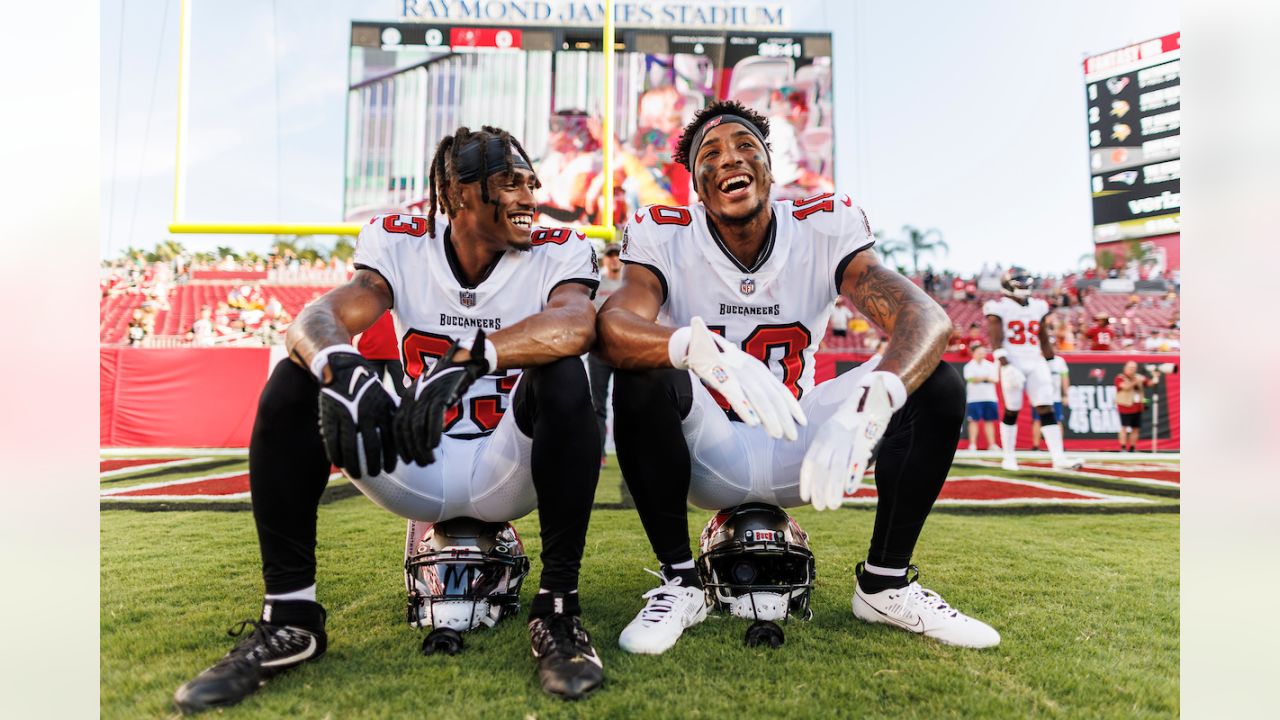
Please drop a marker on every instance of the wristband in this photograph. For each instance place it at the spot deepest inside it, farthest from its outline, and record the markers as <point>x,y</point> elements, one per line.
<point>678,348</point>
<point>490,352</point>
<point>320,360</point>
<point>893,384</point>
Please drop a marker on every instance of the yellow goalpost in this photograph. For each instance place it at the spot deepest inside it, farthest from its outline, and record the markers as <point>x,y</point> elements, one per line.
<point>181,226</point>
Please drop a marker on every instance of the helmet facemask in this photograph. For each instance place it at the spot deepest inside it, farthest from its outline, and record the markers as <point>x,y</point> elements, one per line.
<point>756,564</point>
<point>465,575</point>
<point>1016,286</point>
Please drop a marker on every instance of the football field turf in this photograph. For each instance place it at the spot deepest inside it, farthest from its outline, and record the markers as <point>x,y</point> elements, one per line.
<point>1086,601</point>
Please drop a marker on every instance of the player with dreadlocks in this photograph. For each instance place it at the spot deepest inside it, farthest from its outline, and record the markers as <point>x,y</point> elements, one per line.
<point>492,314</point>
<point>717,404</point>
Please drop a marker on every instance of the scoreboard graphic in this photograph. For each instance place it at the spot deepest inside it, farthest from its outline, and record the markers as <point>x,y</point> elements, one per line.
<point>1134,122</point>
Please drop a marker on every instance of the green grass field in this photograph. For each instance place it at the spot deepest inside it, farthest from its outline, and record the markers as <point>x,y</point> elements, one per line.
<point>1087,604</point>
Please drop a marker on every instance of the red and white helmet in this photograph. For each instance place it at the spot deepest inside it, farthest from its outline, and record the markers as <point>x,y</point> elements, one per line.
<point>465,573</point>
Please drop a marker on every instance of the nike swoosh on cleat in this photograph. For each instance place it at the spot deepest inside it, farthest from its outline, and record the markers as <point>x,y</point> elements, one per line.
<point>304,655</point>
<point>917,626</point>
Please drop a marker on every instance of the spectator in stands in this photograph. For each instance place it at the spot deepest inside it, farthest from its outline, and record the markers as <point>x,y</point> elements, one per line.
<point>137,330</point>
<point>202,329</point>
<point>957,288</point>
<point>976,335</point>
<point>971,291</point>
<point>930,281</point>
<point>1130,399</point>
<point>1063,336</point>
<point>1061,387</point>
<point>1101,336</point>
<point>981,376</point>
<point>1160,341</point>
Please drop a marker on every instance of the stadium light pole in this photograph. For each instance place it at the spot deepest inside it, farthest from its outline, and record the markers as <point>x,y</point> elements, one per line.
<point>181,226</point>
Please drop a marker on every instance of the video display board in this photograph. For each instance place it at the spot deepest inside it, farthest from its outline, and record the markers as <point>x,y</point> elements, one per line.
<point>1134,100</point>
<point>412,83</point>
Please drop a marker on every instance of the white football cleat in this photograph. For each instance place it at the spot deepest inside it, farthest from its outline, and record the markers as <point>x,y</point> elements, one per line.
<point>919,610</point>
<point>671,608</point>
<point>1010,464</point>
<point>1067,463</point>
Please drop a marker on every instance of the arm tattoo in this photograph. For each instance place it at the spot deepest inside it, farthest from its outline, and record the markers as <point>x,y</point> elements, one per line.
<point>917,326</point>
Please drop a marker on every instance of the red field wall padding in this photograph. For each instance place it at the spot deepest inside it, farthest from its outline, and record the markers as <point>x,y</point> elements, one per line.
<point>181,397</point>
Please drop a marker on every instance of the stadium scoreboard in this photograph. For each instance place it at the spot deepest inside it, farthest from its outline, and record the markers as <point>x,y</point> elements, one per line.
<point>1134,121</point>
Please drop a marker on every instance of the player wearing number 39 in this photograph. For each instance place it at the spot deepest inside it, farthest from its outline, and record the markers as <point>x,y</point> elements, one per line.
<point>714,330</point>
<point>1015,324</point>
<point>477,295</point>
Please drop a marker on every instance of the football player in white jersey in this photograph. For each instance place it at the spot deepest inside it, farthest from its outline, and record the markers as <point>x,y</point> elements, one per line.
<point>1018,332</point>
<point>713,334</point>
<point>477,295</point>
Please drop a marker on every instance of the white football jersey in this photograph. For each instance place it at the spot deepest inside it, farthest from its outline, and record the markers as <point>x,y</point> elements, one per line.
<point>432,307</point>
<point>1021,326</point>
<point>776,310</point>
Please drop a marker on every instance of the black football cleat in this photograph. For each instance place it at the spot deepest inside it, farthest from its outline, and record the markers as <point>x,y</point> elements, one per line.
<point>568,666</point>
<point>294,636</point>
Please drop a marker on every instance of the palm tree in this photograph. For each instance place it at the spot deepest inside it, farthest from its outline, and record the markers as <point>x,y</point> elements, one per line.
<point>918,243</point>
<point>167,250</point>
<point>227,251</point>
<point>343,249</point>
<point>285,246</point>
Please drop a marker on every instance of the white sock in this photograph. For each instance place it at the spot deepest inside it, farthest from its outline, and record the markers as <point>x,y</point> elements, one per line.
<point>1008,440</point>
<point>544,591</point>
<point>888,572</point>
<point>306,593</point>
<point>1053,438</point>
<point>686,565</point>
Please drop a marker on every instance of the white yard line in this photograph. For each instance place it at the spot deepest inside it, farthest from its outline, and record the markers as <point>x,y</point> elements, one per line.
<point>142,452</point>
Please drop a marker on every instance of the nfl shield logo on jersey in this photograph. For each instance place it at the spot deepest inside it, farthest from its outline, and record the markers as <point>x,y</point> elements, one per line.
<point>467,298</point>
<point>748,286</point>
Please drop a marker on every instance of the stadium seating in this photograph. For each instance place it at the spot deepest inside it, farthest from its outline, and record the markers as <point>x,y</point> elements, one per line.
<point>185,302</point>
<point>114,314</point>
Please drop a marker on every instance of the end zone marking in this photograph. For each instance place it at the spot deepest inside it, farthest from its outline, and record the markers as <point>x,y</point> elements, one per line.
<point>1098,472</point>
<point>223,486</point>
<point>992,490</point>
<point>115,468</point>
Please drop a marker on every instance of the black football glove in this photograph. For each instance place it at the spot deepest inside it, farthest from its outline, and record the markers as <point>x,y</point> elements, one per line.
<point>356,409</point>
<point>420,420</point>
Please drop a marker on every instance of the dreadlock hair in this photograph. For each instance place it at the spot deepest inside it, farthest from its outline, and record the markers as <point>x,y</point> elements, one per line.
<point>445,192</point>
<point>721,107</point>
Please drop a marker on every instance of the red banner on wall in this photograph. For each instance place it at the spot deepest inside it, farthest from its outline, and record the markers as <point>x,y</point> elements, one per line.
<point>181,397</point>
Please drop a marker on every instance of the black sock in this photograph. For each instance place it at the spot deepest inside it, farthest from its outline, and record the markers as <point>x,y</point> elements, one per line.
<point>303,614</point>
<point>552,603</point>
<point>872,583</point>
<point>688,577</point>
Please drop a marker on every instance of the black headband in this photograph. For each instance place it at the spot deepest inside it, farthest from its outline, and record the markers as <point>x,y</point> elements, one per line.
<point>471,166</point>
<point>720,120</point>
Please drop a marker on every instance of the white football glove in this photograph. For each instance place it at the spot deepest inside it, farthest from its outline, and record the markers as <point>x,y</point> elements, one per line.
<point>1012,381</point>
<point>841,449</point>
<point>752,391</point>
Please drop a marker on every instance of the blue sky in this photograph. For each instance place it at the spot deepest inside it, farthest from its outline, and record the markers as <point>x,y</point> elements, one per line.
<point>968,117</point>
